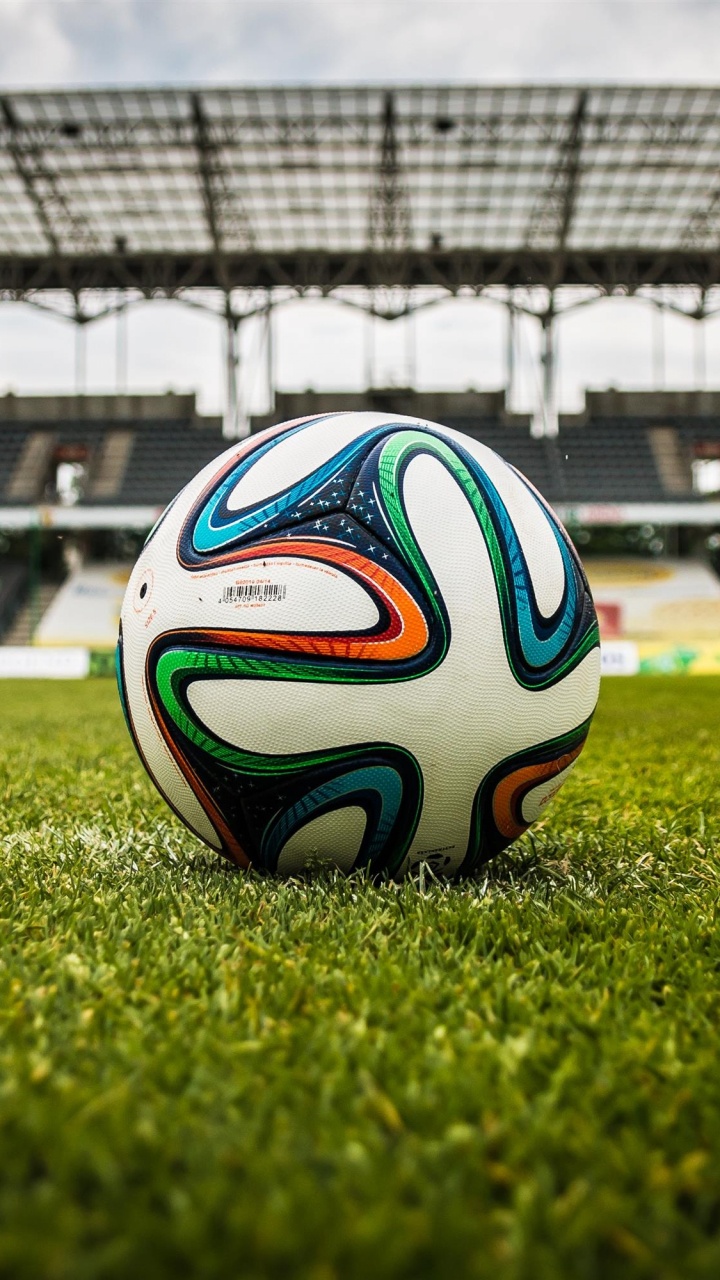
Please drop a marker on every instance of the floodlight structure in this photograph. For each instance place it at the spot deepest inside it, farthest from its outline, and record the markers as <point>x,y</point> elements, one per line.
<point>260,194</point>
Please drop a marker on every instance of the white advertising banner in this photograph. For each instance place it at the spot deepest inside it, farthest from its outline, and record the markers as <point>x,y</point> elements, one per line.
<point>613,513</point>
<point>619,658</point>
<point>25,662</point>
<point>78,517</point>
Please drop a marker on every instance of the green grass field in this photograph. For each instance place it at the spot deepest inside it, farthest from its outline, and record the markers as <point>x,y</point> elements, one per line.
<point>205,1074</point>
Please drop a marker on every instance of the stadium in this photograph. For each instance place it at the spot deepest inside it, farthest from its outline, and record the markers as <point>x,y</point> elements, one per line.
<point>514,1076</point>
<point>559,225</point>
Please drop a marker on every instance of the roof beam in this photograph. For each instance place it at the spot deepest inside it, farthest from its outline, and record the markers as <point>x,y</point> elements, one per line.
<point>225,216</point>
<point>389,212</point>
<point>703,227</point>
<point>43,189</point>
<point>373,186</point>
<point>323,270</point>
<point>655,120</point>
<point>570,171</point>
<point>551,219</point>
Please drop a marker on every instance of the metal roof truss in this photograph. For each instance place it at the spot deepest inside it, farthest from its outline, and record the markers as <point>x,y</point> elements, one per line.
<point>470,187</point>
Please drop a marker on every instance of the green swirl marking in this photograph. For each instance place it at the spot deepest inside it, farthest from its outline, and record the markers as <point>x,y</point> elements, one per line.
<point>174,669</point>
<point>510,573</point>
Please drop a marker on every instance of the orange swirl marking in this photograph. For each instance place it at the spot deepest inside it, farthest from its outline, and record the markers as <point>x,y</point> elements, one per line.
<point>510,793</point>
<point>405,636</point>
<point>231,847</point>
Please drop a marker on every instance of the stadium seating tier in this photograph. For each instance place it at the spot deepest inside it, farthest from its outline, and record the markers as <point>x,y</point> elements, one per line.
<point>600,460</point>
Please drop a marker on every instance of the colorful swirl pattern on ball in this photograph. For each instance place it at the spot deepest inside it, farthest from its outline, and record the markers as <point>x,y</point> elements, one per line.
<point>350,512</point>
<point>497,817</point>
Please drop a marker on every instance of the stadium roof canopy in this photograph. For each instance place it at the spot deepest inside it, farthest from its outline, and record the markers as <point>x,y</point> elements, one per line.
<point>164,190</point>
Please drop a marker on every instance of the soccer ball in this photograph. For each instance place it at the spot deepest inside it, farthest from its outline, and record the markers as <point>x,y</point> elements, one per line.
<point>358,639</point>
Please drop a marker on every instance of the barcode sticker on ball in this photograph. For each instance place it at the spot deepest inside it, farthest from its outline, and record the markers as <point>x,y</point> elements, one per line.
<point>254,593</point>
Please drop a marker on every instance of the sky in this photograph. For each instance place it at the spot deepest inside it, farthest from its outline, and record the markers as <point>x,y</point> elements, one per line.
<point>53,43</point>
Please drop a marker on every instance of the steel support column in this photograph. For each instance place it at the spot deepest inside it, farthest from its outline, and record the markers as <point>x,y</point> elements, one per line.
<point>232,415</point>
<point>80,357</point>
<point>548,360</point>
<point>658,352</point>
<point>270,355</point>
<point>411,348</point>
<point>121,350</point>
<point>699,335</point>
<point>700,353</point>
<point>369,350</point>
<point>510,349</point>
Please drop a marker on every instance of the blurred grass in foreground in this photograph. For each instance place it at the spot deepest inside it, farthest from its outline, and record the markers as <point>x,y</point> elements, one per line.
<point>203,1073</point>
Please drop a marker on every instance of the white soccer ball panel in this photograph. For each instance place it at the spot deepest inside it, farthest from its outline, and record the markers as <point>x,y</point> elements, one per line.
<point>536,800</point>
<point>295,456</point>
<point>333,838</point>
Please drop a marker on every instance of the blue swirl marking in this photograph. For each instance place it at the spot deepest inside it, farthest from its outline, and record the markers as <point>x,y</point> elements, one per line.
<point>120,678</point>
<point>542,639</point>
<point>216,526</point>
<point>377,789</point>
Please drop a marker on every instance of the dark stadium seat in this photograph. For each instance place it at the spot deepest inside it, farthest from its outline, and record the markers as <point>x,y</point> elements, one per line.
<point>12,439</point>
<point>162,458</point>
<point>608,461</point>
<point>699,431</point>
<point>602,461</point>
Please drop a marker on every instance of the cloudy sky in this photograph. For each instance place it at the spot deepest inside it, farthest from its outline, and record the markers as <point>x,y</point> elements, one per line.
<point>93,42</point>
